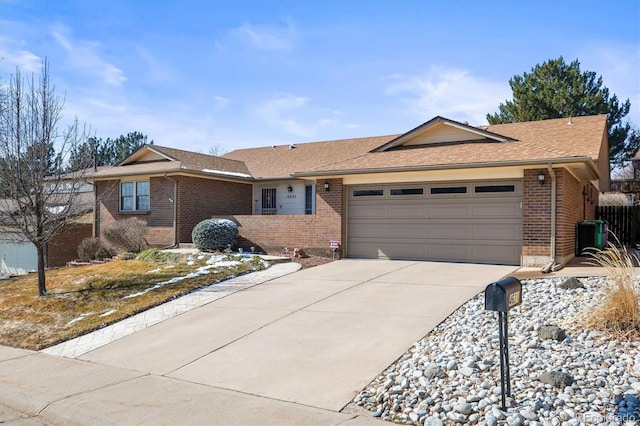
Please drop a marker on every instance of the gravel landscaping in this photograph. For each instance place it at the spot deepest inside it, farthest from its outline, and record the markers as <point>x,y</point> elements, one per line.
<point>560,375</point>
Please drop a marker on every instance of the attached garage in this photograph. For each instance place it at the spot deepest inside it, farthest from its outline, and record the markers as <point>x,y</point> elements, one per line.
<point>476,221</point>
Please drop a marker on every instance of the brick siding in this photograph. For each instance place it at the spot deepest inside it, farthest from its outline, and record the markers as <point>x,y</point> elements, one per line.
<point>198,199</point>
<point>201,199</point>
<point>63,247</point>
<point>536,214</point>
<point>311,232</point>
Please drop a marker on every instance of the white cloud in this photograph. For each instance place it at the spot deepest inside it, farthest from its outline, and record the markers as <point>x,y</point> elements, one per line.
<point>85,56</point>
<point>450,92</point>
<point>296,115</point>
<point>267,37</point>
<point>155,69</point>
<point>27,61</point>
<point>220,103</point>
<point>619,66</point>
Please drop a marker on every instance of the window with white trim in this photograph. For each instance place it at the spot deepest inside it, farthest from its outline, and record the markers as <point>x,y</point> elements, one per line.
<point>134,196</point>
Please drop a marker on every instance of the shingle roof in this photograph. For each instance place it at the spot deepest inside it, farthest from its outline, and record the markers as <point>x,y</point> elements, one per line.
<point>534,142</point>
<point>177,160</point>
<point>281,161</point>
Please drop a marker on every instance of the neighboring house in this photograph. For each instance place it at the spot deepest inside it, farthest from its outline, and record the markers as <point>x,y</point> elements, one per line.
<point>509,193</point>
<point>630,184</point>
<point>18,255</point>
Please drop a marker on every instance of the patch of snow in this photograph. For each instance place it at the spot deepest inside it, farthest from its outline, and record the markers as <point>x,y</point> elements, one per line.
<point>106,314</point>
<point>216,261</point>
<point>9,270</point>
<point>80,318</point>
<point>227,263</point>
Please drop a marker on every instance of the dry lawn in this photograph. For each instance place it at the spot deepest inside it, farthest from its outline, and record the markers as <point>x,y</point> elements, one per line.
<point>86,298</point>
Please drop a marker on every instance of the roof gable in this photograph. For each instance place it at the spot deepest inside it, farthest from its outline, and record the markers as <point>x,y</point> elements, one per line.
<point>158,160</point>
<point>146,154</point>
<point>440,130</point>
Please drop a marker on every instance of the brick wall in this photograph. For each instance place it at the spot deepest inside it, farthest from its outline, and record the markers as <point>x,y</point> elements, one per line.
<point>571,208</point>
<point>311,232</point>
<point>201,199</point>
<point>536,210</point>
<point>63,247</point>
<point>198,199</point>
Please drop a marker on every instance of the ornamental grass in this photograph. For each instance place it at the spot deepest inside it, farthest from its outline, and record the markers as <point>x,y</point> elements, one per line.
<point>618,312</point>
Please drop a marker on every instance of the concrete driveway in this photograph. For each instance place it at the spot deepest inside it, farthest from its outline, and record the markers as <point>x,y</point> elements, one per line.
<point>302,345</point>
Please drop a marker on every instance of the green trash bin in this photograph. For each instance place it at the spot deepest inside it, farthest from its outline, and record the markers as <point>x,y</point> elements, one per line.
<point>590,234</point>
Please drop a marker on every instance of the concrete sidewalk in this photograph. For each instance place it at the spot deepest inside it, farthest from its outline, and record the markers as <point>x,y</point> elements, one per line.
<point>294,350</point>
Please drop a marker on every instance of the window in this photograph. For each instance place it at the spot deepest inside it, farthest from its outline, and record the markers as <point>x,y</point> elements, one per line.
<point>408,191</point>
<point>134,196</point>
<point>449,190</point>
<point>494,188</point>
<point>368,193</point>
<point>308,199</point>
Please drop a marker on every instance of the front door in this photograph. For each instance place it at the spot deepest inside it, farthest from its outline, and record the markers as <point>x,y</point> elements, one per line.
<point>269,201</point>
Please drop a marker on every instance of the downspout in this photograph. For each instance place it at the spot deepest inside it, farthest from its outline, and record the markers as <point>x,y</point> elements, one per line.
<point>175,210</point>
<point>552,246</point>
<point>553,211</point>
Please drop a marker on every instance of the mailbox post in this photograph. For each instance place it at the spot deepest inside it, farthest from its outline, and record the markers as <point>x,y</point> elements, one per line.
<point>501,296</point>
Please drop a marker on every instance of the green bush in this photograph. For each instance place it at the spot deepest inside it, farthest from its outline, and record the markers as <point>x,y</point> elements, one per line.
<point>215,234</point>
<point>94,249</point>
<point>127,255</point>
<point>155,255</point>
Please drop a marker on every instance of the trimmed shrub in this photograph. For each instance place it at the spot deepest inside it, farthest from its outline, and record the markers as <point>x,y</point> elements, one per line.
<point>214,234</point>
<point>127,234</point>
<point>94,249</point>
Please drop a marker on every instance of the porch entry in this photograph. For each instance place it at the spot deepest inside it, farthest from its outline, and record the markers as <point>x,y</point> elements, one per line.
<point>269,201</point>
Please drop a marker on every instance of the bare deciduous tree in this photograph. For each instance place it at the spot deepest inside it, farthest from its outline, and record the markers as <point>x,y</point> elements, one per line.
<point>39,198</point>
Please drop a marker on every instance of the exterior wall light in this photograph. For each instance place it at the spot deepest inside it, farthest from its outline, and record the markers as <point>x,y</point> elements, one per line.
<point>541,178</point>
<point>326,185</point>
<point>289,188</point>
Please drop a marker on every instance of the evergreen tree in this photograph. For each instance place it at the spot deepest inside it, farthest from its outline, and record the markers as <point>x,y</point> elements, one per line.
<point>559,90</point>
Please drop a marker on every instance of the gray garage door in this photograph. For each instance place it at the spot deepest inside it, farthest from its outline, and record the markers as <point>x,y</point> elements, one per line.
<point>459,221</point>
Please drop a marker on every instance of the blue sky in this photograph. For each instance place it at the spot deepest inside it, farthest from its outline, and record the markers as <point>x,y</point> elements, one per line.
<point>222,75</point>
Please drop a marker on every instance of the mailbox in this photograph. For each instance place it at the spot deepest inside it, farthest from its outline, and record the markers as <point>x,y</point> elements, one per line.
<point>503,295</point>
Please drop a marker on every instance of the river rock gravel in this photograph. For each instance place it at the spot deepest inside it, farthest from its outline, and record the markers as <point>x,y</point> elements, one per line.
<point>452,375</point>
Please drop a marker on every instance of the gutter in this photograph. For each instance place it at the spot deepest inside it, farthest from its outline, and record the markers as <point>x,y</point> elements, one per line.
<point>175,210</point>
<point>588,161</point>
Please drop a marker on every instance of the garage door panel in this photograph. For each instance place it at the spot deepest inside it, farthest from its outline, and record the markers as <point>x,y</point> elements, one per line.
<point>408,230</point>
<point>497,232</point>
<point>494,211</point>
<point>369,229</point>
<point>449,211</point>
<point>366,212</point>
<point>451,231</point>
<point>484,227</point>
<point>405,211</point>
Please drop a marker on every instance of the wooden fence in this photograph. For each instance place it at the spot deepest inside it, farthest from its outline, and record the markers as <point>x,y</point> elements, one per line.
<point>622,221</point>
